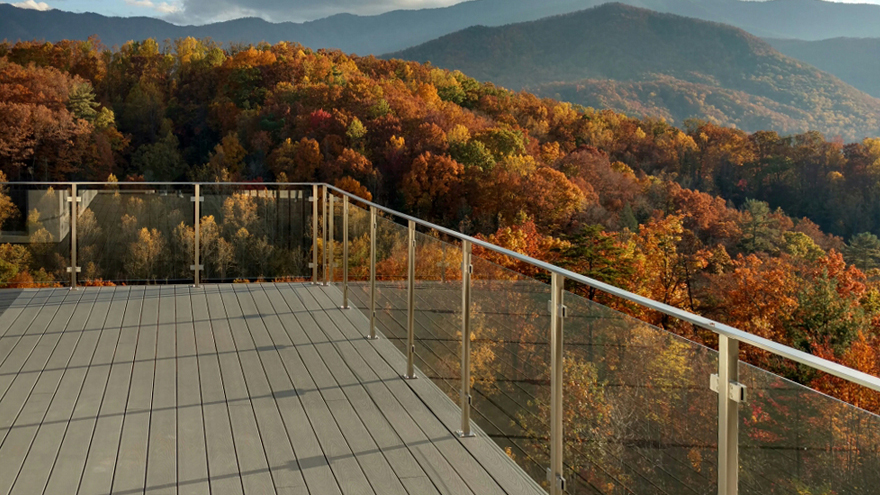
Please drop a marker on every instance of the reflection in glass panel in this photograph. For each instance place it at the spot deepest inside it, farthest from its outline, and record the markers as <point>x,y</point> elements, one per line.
<point>135,233</point>
<point>511,363</point>
<point>438,313</point>
<point>35,231</point>
<point>255,232</point>
<point>796,440</point>
<point>638,413</point>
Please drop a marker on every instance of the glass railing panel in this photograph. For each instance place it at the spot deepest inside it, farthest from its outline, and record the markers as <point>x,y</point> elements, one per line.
<point>135,233</point>
<point>796,440</point>
<point>359,257</point>
<point>34,235</point>
<point>510,367</point>
<point>638,413</point>
<point>255,232</point>
<point>391,296</point>
<point>335,238</point>
<point>438,307</point>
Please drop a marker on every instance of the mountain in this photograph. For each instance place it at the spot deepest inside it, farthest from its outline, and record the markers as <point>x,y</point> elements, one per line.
<point>854,60</point>
<point>396,30</point>
<point>648,63</point>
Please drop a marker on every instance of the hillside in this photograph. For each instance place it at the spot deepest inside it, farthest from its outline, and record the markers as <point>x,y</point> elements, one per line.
<point>854,60</point>
<point>681,61</point>
<point>400,29</point>
<point>676,216</point>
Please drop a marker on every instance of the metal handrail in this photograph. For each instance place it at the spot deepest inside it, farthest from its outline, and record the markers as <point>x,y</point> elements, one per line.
<point>725,383</point>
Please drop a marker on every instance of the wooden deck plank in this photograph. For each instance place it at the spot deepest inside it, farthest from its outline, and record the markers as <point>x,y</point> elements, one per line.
<point>192,467</point>
<point>222,462</point>
<point>332,369</point>
<point>162,452</point>
<point>349,368</point>
<point>252,462</point>
<point>445,479</point>
<point>39,462</point>
<point>312,462</point>
<point>24,335</point>
<point>490,459</point>
<point>262,388</point>
<point>131,464</point>
<point>344,465</point>
<point>68,469</point>
<point>16,307</point>
<point>38,384</point>
<point>259,359</point>
<point>100,465</point>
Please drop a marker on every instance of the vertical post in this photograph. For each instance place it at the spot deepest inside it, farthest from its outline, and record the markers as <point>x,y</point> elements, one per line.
<point>728,416</point>
<point>557,313</point>
<point>331,237</point>
<point>466,271</point>
<point>410,303</point>
<point>373,228</point>
<point>74,213</point>
<point>197,240</point>
<point>314,233</point>
<point>324,233</point>
<point>345,252</point>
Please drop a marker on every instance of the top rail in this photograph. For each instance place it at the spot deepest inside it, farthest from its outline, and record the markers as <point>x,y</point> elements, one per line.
<point>832,368</point>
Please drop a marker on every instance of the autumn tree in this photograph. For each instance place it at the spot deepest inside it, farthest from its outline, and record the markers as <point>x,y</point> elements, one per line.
<point>432,186</point>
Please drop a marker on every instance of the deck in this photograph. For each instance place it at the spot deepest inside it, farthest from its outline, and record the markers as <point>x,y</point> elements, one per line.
<point>245,388</point>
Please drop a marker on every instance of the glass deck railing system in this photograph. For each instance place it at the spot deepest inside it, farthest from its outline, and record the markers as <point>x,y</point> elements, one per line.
<point>585,399</point>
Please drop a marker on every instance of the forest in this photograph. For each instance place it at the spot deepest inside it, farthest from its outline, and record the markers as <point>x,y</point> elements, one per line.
<point>775,235</point>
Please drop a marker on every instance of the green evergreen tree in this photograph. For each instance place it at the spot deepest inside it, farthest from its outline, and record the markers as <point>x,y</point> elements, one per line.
<point>596,255</point>
<point>863,251</point>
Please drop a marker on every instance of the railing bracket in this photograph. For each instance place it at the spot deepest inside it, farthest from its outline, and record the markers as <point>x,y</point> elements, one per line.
<point>558,481</point>
<point>563,309</point>
<point>736,391</point>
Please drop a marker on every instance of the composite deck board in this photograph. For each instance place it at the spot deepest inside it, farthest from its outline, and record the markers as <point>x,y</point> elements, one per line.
<point>33,476</point>
<point>192,461</point>
<point>237,388</point>
<point>70,461</point>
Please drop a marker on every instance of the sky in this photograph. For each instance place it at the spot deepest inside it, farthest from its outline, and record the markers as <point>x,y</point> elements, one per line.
<point>205,11</point>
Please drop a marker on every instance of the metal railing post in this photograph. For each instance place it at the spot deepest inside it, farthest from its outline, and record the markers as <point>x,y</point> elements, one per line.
<point>555,475</point>
<point>73,269</point>
<point>345,252</point>
<point>197,267</point>
<point>466,272</point>
<point>331,241</point>
<point>730,393</point>
<point>314,263</point>
<point>373,228</point>
<point>410,303</point>
<point>324,232</point>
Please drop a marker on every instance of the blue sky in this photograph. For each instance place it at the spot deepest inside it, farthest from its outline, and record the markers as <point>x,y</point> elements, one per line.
<point>203,11</point>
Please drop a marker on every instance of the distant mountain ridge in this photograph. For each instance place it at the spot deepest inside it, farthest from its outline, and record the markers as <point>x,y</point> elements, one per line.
<point>400,29</point>
<point>855,60</point>
<point>643,62</point>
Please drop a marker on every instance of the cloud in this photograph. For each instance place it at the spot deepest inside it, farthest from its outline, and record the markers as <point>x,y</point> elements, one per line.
<point>162,8</point>
<point>31,4</point>
<point>204,11</point>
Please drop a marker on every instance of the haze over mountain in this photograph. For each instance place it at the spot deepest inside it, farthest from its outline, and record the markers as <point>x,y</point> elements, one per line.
<point>855,60</point>
<point>392,31</point>
<point>646,63</point>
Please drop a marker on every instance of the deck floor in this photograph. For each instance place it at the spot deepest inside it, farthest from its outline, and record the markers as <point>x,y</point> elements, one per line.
<point>255,389</point>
